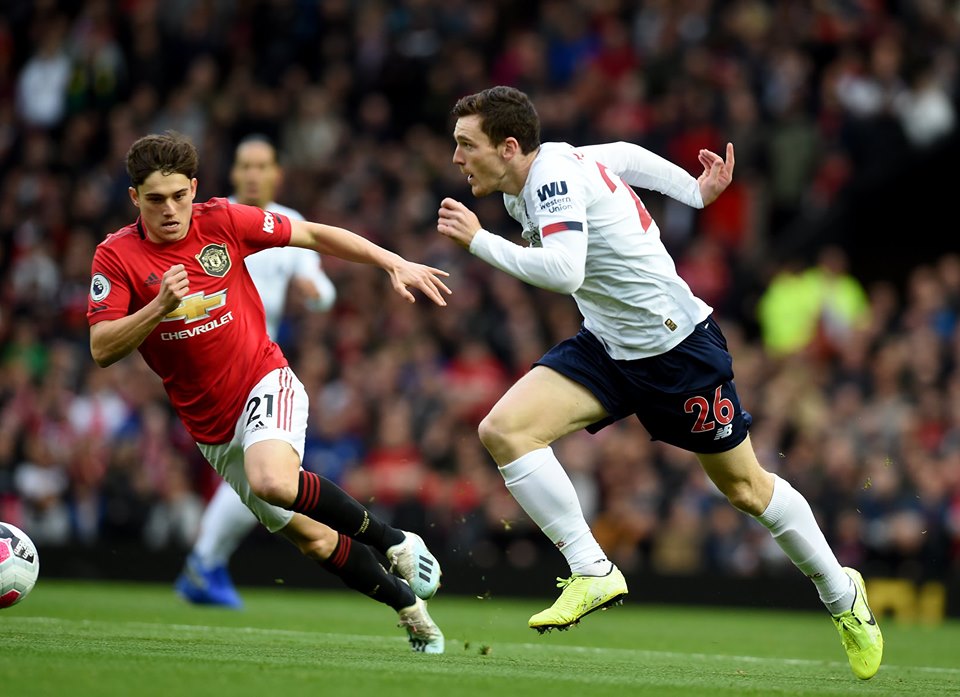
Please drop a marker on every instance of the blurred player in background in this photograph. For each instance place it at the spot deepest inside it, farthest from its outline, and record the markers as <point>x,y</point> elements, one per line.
<point>172,286</point>
<point>256,176</point>
<point>648,346</point>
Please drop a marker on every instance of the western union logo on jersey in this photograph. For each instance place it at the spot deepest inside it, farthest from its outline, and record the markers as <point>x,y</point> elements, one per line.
<point>197,306</point>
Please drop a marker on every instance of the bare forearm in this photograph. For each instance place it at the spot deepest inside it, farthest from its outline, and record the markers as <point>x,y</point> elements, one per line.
<point>112,340</point>
<point>339,242</point>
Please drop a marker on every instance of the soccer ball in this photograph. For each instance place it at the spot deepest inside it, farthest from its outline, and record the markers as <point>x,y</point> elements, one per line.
<point>19,565</point>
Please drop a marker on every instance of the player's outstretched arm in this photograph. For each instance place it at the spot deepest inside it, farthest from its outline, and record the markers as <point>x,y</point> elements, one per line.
<point>717,174</point>
<point>339,242</point>
<point>111,340</point>
<point>557,265</point>
<point>643,169</point>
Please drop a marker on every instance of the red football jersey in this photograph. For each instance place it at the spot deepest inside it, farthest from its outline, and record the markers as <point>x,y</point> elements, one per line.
<point>214,347</point>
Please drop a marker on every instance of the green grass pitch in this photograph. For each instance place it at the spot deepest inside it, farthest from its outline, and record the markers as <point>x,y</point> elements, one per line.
<point>139,640</point>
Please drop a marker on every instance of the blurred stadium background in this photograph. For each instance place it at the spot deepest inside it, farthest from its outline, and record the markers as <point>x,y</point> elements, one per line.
<point>831,263</point>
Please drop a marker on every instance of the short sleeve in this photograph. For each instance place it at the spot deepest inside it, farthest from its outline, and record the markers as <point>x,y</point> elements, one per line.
<point>259,229</point>
<point>109,296</point>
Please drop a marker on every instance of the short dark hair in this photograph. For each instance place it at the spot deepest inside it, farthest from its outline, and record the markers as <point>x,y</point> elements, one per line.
<point>504,112</point>
<point>167,153</point>
<point>257,138</point>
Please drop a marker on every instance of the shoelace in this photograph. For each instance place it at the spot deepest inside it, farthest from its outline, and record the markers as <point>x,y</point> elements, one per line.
<point>422,629</point>
<point>848,623</point>
<point>567,603</point>
<point>424,633</point>
<point>393,561</point>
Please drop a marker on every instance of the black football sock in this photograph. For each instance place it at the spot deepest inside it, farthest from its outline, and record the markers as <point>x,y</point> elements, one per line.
<point>359,569</point>
<point>324,501</point>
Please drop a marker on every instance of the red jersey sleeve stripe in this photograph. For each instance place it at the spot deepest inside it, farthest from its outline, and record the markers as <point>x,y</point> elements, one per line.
<point>560,227</point>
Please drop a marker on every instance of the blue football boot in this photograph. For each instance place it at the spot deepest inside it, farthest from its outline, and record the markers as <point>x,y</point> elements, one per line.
<point>202,585</point>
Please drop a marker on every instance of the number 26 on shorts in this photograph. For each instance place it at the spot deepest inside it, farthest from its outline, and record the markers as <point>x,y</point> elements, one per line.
<point>708,416</point>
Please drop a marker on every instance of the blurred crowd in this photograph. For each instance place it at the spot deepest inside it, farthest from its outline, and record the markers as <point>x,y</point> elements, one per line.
<point>854,383</point>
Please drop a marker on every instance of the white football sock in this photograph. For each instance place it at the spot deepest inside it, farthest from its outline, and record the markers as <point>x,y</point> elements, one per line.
<point>790,520</point>
<point>225,523</point>
<point>541,486</point>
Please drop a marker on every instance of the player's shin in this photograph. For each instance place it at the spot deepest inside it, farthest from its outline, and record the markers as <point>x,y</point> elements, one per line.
<point>790,520</point>
<point>540,485</point>
<point>324,501</point>
<point>358,568</point>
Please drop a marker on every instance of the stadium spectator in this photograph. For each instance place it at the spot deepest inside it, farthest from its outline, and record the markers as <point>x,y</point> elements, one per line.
<point>43,82</point>
<point>818,308</point>
<point>641,350</point>
<point>255,443</point>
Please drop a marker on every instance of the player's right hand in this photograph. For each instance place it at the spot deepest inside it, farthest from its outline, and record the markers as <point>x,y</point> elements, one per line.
<point>456,221</point>
<point>173,287</point>
<point>426,278</point>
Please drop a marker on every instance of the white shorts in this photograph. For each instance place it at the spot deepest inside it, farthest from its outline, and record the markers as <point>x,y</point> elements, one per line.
<point>276,409</point>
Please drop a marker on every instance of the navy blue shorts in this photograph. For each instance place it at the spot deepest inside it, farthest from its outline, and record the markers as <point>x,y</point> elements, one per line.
<point>685,397</point>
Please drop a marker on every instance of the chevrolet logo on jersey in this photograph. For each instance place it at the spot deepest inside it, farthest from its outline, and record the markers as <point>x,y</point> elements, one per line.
<point>197,306</point>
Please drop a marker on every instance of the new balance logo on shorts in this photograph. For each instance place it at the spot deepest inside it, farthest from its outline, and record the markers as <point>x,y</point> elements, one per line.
<point>723,432</point>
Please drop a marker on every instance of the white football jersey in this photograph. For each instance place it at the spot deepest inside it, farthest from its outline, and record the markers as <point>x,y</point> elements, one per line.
<point>591,236</point>
<point>273,269</point>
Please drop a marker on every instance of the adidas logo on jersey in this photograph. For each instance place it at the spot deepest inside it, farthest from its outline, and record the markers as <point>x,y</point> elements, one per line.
<point>152,280</point>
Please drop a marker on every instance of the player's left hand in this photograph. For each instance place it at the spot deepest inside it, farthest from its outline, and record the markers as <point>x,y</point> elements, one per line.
<point>426,278</point>
<point>717,174</point>
<point>457,222</point>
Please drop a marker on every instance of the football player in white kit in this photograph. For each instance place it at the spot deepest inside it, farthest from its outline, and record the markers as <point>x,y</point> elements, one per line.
<point>648,346</point>
<point>255,175</point>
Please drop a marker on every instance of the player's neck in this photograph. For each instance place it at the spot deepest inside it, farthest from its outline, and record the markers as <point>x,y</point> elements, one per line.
<point>251,202</point>
<point>518,172</point>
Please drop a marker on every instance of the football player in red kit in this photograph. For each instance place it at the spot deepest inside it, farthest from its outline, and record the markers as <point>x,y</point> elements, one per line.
<point>173,285</point>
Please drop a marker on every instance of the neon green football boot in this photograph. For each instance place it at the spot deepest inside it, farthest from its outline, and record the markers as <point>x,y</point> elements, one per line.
<point>859,631</point>
<point>581,595</point>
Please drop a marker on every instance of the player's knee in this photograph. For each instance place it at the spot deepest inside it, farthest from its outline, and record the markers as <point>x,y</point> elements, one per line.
<point>493,433</point>
<point>319,548</point>
<point>744,496</point>
<point>273,487</point>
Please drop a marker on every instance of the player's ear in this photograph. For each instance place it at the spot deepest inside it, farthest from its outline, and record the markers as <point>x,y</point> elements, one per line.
<point>193,188</point>
<point>510,148</point>
<point>134,196</point>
